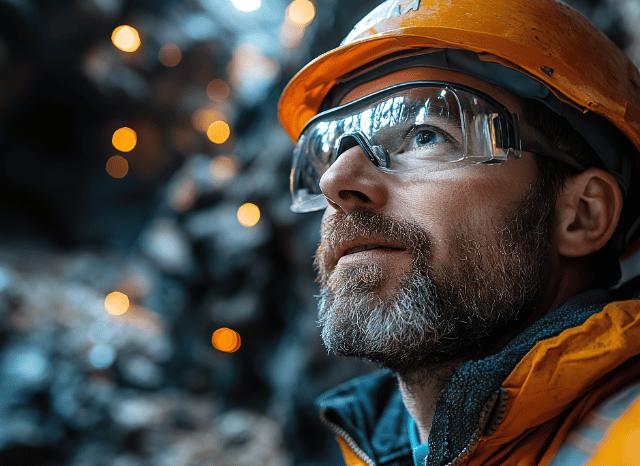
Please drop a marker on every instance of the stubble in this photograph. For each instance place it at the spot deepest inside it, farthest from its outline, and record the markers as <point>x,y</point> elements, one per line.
<point>434,315</point>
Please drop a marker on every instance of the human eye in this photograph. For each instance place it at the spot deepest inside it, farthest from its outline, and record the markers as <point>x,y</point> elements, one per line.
<point>425,138</point>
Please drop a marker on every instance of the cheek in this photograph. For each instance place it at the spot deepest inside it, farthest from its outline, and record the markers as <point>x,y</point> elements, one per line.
<point>439,204</point>
<point>461,202</point>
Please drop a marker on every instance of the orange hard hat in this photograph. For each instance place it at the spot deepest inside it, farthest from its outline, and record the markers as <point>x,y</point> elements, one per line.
<point>588,79</point>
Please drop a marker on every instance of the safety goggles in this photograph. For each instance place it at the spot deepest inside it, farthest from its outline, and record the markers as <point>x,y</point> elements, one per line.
<point>412,126</point>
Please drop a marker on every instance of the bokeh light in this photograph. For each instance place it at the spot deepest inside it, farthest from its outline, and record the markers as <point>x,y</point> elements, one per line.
<point>102,356</point>
<point>223,168</point>
<point>248,214</point>
<point>225,339</point>
<point>218,90</point>
<point>117,166</point>
<point>169,55</point>
<point>246,5</point>
<point>183,197</point>
<point>116,303</point>
<point>124,139</point>
<point>218,132</point>
<point>290,33</point>
<point>251,73</point>
<point>202,118</point>
<point>126,38</point>
<point>301,12</point>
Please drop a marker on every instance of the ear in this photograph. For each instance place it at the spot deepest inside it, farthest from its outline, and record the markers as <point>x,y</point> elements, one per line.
<point>587,213</point>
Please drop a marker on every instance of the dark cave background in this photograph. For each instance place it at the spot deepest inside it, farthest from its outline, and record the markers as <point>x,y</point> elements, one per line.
<point>83,388</point>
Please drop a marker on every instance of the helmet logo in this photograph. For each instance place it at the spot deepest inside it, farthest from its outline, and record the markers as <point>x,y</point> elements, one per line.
<point>395,9</point>
<point>385,10</point>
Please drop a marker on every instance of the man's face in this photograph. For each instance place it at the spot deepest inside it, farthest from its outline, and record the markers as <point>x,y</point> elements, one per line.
<point>421,269</point>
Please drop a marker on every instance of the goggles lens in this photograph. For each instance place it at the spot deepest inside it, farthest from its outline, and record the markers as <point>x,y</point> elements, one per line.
<point>418,125</point>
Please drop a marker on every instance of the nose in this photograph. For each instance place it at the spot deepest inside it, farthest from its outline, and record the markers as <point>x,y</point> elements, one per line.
<point>354,181</point>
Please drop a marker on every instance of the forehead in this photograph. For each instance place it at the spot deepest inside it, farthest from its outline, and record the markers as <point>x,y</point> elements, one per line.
<point>512,102</point>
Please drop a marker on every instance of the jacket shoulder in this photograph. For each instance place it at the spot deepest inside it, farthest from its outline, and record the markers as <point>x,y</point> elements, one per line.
<point>608,434</point>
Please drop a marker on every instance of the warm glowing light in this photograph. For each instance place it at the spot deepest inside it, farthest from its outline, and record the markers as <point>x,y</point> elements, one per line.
<point>225,339</point>
<point>116,303</point>
<point>222,168</point>
<point>126,38</point>
<point>248,215</point>
<point>218,90</point>
<point>218,132</point>
<point>124,139</point>
<point>203,118</point>
<point>169,55</point>
<point>117,166</point>
<point>301,12</point>
<point>246,5</point>
<point>290,33</point>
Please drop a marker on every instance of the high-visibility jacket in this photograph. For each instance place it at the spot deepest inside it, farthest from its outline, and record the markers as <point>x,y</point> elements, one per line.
<point>570,397</point>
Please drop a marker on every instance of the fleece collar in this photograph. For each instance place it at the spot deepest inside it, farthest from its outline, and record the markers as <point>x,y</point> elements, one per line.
<point>370,409</point>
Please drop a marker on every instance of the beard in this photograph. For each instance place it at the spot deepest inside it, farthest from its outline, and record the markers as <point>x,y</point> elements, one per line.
<point>434,317</point>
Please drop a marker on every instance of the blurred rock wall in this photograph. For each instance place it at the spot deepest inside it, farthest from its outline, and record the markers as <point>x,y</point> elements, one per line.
<point>81,386</point>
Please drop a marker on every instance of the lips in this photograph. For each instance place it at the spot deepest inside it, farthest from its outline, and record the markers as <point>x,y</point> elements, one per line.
<point>349,248</point>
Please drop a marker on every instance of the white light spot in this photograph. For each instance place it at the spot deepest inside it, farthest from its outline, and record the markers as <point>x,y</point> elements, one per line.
<point>246,5</point>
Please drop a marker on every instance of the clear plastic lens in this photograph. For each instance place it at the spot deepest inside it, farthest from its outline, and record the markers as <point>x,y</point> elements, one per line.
<point>407,127</point>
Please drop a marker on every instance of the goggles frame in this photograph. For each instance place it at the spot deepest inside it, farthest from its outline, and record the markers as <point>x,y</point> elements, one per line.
<point>511,134</point>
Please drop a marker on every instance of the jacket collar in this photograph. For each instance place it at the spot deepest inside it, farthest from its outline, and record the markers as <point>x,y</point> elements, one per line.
<point>369,409</point>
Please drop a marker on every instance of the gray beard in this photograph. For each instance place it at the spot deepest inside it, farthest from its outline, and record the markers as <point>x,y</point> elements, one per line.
<point>357,321</point>
<point>433,319</point>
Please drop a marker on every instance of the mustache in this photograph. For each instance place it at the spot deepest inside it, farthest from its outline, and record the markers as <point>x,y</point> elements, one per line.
<point>363,222</point>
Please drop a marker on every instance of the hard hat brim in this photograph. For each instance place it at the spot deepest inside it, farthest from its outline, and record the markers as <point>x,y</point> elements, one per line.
<point>601,85</point>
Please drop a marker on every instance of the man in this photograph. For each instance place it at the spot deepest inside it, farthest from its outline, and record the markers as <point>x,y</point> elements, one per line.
<point>476,162</point>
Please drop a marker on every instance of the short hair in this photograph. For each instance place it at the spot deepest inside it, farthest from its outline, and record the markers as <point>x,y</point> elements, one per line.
<point>553,174</point>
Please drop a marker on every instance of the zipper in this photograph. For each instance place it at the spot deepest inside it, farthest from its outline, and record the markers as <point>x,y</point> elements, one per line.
<point>347,438</point>
<point>472,442</point>
<point>490,418</point>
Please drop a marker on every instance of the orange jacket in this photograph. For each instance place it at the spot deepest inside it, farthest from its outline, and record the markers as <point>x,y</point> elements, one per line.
<point>555,401</point>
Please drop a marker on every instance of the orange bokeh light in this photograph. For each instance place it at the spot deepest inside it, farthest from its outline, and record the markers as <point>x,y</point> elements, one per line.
<point>169,55</point>
<point>222,168</point>
<point>116,303</point>
<point>117,166</point>
<point>126,38</point>
<point>124,139</point>
<point>203,118</point>
<point>225,339</point>
<point>218,90</point>
<point>218,132</point>
<point>248,214</point>
<point>301,12</point>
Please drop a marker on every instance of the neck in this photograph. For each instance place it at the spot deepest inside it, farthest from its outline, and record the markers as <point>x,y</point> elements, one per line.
<point>420,393</point>
<point>573,277</point>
